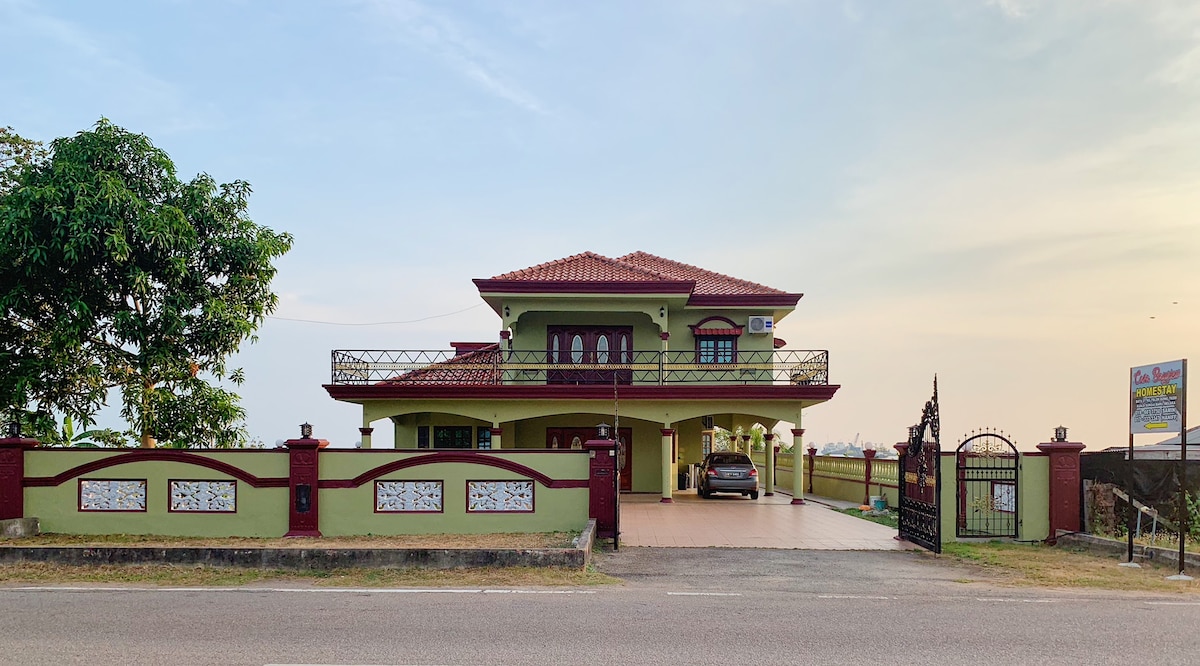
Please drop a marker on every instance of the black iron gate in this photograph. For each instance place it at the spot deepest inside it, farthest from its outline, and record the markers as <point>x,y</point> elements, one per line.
<point>987,467</point>
<point>921,480</point>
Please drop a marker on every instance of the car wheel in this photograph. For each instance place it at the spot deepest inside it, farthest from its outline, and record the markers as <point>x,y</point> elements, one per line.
<point>753,494</point>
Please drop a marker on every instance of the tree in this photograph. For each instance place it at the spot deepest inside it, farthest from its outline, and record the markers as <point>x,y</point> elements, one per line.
<point>114,274</point>
<point>16,154</point>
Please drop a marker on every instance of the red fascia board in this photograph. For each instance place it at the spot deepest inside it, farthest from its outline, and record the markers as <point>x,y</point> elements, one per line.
<point>745,300</point>
<point>418,391</point>
<point>583,287</point>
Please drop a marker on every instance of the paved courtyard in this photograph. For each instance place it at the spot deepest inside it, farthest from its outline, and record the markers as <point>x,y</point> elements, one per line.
<point>731,521</point>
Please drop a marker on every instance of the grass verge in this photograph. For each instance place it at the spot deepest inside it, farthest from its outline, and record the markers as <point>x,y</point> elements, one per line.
<point>1039,565</point>
<point>37,573</point>
<point>891,519</point>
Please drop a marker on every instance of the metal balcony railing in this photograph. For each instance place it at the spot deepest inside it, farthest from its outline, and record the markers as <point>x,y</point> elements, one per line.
<point>492,366</point>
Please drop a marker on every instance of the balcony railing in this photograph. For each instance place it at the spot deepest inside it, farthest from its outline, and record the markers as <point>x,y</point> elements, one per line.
<point>529,367</point>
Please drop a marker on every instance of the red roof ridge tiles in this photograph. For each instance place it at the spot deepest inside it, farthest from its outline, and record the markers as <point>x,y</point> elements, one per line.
<point>707,282</point>
<point>585,267</point>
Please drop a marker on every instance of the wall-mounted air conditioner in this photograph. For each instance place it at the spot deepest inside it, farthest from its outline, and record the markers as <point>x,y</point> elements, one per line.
<point>760,324</point>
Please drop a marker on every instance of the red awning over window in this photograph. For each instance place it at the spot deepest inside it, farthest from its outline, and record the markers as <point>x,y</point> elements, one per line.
<point>716,331</point>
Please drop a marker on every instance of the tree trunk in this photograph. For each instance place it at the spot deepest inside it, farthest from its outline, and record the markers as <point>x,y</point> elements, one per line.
<point>148,441</point>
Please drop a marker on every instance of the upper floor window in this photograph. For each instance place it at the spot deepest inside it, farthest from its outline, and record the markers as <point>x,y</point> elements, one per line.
<point>716,349</point>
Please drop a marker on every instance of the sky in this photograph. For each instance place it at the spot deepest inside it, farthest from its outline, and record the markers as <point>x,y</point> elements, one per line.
<point>1000,192</point>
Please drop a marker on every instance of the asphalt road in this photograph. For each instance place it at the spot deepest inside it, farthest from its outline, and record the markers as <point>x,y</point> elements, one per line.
<point>684,606</point>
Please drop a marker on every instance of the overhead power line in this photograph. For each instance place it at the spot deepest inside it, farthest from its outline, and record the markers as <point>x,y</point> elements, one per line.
<point>377,323</point>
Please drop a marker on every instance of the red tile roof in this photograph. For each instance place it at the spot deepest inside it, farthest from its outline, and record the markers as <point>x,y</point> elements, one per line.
<point>640,268</point>
<point>707,282</point>
<point>469,367</point>
<point>584,267</point>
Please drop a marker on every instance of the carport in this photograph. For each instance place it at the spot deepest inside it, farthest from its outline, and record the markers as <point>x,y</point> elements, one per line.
<point>731,521</point>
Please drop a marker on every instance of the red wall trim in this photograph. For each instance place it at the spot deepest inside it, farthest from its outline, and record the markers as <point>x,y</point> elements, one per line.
<point>454,457</point>
<point>156,455</point>
<point>745,300</point>
<point>579,392</point>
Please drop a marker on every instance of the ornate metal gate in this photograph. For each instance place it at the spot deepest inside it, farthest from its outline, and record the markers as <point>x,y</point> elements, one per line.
<point>987,467</point>
<point>921,480</point>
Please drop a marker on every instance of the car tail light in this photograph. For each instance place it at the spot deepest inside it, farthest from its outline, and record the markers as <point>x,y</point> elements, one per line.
<point>712,472</point>
<point>753,471</point>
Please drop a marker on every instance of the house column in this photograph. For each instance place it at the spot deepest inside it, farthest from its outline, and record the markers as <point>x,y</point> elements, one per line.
<point>746,444</point>
<point>1066,487</point>
<point>496,435</point>
<point>770,453</point>
<point>668,438</point>
<point>798,466</point>
<point>366,436</point>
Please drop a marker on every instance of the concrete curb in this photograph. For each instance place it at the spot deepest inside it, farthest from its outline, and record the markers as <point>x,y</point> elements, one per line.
<point>19,528</point>
<point>1092,543</point>
<point>313,559</point>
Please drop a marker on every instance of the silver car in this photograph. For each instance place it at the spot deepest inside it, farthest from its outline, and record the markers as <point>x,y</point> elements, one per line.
<point>727,472</point>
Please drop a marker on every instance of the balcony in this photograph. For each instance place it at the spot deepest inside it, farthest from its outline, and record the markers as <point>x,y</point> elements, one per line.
<point>492,366</point>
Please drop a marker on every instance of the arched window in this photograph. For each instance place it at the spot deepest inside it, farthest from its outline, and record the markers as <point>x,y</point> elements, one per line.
<point>602,349</point>
<point>577,349</point>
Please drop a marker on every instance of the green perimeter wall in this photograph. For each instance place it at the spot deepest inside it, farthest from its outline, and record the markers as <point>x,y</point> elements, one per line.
<point>351,511</point>
<point>261,512</point>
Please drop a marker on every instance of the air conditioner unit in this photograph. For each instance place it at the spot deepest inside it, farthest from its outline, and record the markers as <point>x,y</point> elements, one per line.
<point>761,324</point>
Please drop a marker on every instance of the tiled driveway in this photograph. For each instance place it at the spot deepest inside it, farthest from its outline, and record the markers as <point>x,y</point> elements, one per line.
<point>737,522</point>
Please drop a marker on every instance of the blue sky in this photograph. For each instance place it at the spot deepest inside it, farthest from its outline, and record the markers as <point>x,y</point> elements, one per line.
<point>1003,192</point>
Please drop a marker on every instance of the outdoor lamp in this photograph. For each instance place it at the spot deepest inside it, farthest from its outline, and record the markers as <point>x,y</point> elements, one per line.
<point>306,430</point>
<point>602,431</point>
<point>506,312</point>
<point>662,311</point>
<point>14,429</point>
<point>1060,434</point>
<point>913,433</point>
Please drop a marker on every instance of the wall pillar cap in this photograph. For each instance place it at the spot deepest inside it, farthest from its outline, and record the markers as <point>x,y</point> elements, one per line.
<point>306,444</point>
<point>19,443</point>
<point>1061,447</point>
<point>599,444</point>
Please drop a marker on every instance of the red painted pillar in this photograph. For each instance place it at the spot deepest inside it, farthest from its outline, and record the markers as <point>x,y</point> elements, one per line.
<point>868,456</point>
<point>12,476</point>
<point>602,486</point>
<point>1066,486</point>
<point>812,458</point>
<point>303,475</point>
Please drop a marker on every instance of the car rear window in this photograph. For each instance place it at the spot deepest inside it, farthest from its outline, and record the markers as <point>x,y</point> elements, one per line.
<point>729,460</point>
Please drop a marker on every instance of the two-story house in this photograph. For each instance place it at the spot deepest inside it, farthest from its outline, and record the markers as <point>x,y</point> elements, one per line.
<point>663,350</point>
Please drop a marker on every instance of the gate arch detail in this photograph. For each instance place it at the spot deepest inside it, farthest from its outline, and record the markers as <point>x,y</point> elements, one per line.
<point>987,467</point>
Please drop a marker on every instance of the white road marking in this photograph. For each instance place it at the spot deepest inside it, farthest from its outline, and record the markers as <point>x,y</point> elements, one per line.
<point>1173,603</point>
<point>331,590</point>
<point>1017,601</point>
<point>704,594</point>
<point>852,596</point>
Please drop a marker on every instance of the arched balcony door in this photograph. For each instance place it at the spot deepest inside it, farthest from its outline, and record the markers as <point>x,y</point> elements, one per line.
<point>597,351</point>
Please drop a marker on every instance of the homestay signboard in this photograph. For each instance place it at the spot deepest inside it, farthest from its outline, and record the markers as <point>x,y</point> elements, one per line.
<point>1157,397</point>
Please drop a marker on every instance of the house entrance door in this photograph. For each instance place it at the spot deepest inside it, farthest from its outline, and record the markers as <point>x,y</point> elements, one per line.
<point>573,438</point>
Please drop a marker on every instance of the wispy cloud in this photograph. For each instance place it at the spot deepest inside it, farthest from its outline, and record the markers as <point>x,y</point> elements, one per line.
<point>129,87</point>
<point>439,35</point>
<point>1016,9</point>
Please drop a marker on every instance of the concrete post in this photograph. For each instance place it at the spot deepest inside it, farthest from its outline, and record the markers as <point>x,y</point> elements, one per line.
<point>602,497</point>
<point>1066,487</point>
<point>868,456</point>
<point>303,482</point>
<point>366,436</point>
<point>12,476</point>
<point>668,437</point>
<point>798,466</point>
<point>769,454</point>
<point>497,434</point>
<point>812,462</point>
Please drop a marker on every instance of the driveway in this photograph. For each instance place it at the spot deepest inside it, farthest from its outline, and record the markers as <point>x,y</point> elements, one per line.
<point>731,521</point>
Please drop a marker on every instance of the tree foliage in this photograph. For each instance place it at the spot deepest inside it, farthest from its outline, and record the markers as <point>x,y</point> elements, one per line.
<point>114,274</point>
